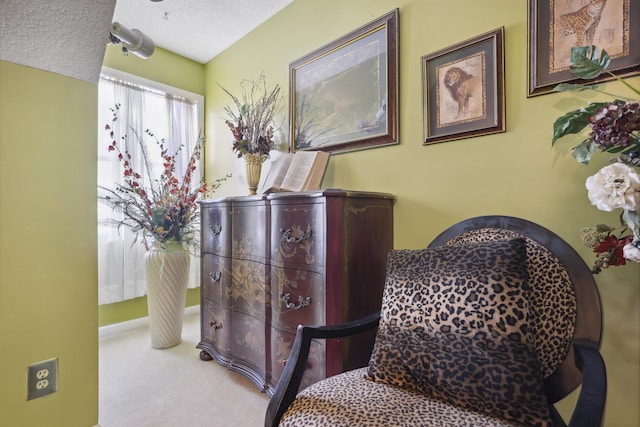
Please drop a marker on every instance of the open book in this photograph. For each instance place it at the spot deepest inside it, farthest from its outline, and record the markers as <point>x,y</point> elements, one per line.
<point>299,171</point>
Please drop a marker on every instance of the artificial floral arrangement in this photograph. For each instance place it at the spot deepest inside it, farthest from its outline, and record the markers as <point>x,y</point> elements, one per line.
<point>251,119</point>
<point>158,209</point>
<point>614,127</point>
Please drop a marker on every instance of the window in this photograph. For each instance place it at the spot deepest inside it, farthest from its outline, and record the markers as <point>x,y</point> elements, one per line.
<point>171,114</point>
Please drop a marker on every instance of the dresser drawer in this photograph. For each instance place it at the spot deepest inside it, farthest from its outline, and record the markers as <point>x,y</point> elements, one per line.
<point>250,231</point>
<point>297,297</point>
<point>249,342</point>
<point>297,234</point>
<point>281,343</point>
<point>249,291</point>
<point>216,228</point>
<point>216,326</point>
<point>216,279</point>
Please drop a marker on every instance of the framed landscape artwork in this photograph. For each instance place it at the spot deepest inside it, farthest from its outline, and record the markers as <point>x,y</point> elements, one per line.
<point>463,89</point>
<point>344,96</point>
<point>555,26</point>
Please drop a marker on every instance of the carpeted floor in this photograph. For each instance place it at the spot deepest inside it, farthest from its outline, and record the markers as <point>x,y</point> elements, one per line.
<point>143,387</point>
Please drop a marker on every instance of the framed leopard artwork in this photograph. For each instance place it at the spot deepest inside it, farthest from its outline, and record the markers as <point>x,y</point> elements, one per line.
<point>555,26</point>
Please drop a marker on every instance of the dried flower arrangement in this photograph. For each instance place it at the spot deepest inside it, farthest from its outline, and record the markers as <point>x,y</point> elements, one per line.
<point>157,209</point>
<point>252,117</point>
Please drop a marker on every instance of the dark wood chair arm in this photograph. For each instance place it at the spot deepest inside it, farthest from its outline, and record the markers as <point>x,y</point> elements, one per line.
<point>289,382</point>
<point>589,409</point>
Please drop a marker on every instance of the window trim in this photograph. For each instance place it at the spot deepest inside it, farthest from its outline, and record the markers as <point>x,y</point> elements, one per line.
<point>152,84</point>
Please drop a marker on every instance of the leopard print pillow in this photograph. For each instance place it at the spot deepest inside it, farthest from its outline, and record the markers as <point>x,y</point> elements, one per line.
<point>454,326</point>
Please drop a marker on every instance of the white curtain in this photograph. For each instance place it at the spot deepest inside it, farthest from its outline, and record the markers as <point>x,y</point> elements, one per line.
<point>121,273</point>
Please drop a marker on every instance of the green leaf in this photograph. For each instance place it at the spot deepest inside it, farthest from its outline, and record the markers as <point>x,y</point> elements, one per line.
<point>572,122</point>
<point>615,149</point>
<point>632,219</point>
<point>604,228</point>
<point>583,152</point>
<point>586,63</point>
<point>563,87</point>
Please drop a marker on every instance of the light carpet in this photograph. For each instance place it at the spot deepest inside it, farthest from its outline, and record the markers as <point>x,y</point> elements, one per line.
<point>144,387</point>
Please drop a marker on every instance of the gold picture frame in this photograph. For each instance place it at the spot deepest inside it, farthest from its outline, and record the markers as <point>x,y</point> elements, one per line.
<point>344,96</point>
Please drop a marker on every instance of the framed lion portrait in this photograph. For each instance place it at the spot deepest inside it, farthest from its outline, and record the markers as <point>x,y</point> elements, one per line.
<point>463,89</point>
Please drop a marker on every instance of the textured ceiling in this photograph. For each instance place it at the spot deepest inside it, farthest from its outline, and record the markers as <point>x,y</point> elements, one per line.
<point>196,29</point>
<point>63,36</point>
<point>69,37</point>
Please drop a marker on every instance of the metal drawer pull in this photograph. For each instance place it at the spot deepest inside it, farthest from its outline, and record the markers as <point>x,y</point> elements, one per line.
<point>215,325</point>
<point>287,235</point>
<point>215,229</point>
<point>215,277</point>
<point>302,302</point>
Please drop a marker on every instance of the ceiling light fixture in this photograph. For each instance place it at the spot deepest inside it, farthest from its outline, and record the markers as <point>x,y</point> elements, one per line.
<point>133,41</point>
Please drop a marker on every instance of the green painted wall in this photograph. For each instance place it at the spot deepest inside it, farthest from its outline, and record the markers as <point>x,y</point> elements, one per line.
<point>173,70</point>
<point>514,173</point>
<point>48,267</point>
<point>47,143</point>
<point>163,67</point>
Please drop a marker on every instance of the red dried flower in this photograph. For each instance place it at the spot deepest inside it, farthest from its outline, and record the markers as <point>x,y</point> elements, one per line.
<point>158,209</point>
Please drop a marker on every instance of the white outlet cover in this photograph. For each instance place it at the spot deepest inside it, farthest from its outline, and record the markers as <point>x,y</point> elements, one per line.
<point>42,378</point>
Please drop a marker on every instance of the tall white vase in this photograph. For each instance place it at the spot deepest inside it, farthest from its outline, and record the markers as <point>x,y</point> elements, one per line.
<point>167,271</point>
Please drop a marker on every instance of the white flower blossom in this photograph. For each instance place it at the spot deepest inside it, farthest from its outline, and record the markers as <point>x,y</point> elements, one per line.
<point>613,187</point>
<point>631,252</point>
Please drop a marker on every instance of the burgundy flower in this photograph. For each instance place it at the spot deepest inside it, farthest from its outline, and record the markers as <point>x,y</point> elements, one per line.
<point>613,246</point>
<point>613,124</point>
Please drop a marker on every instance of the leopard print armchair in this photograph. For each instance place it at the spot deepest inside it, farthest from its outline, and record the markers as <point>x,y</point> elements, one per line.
<point>493,323</point>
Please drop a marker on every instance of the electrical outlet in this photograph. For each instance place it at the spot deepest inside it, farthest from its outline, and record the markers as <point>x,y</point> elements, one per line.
<point>42,378</point>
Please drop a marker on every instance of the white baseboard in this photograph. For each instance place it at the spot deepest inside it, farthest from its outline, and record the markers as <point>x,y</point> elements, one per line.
<point>192,310</point>
<point>117,328</point>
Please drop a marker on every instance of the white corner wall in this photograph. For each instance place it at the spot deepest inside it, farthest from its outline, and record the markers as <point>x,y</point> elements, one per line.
<point>67,37</point>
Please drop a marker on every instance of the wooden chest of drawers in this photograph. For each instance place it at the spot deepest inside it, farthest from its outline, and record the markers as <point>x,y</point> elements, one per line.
<point>272,262</point>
